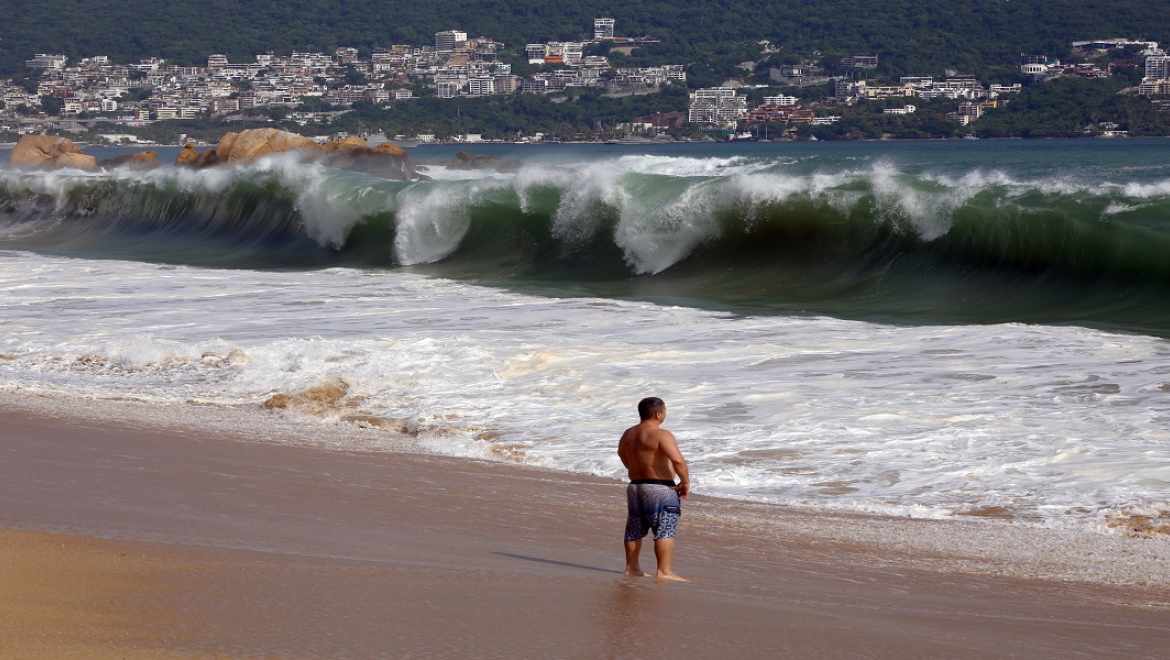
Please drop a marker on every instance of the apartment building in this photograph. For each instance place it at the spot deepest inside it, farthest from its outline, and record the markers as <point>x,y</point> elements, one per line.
<point>860,61</point>
<point>1158,66</point>
<point>536,53</point>
<point>1155,87</point>
<point>450,40</point>
<point>481,86</point>
<point>43,61</point>
<point>781,101</point>
<point>603,29</point>
<point>448,88</point>
<point>716,106</point>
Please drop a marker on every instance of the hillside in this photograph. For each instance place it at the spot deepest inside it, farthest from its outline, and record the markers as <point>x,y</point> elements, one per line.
<point>910,35</point>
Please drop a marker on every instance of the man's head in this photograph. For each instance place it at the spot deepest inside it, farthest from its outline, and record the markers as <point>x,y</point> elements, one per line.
<point>652,408</point>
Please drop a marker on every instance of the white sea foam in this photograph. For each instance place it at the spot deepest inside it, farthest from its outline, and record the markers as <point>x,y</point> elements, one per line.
<point>1058,424</point>
<point>431,222</point>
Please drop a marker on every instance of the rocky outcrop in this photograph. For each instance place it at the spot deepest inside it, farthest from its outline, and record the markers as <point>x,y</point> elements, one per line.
<point>473,160</point>
<point>247,146</point>
<point>144,160</point>
<point>391,150</point>
<point>189,156</point>
<point>386,160</point>
<point>350,143</point>
<point>47,151</point>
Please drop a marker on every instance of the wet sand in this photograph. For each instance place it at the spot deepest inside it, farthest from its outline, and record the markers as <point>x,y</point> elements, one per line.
<point>134,541</point>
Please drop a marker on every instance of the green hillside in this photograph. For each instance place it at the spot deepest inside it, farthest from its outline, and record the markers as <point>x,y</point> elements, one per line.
<point>910,35</point>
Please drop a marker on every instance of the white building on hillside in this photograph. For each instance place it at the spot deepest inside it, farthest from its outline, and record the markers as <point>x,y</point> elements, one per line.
<point>536,53</point>
<point>716,106</point>
<point>572,53</point>
<point>450,40</point>
<point>1158,66</point>
<point>44,61</point>
<point>602,29</point>
<point>781,101</point>
<point>481,86</point>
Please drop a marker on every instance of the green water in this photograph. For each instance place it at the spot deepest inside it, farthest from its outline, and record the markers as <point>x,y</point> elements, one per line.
<point>1062,232</point>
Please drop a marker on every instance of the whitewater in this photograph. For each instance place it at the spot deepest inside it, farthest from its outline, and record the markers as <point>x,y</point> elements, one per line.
<point>859,331</point>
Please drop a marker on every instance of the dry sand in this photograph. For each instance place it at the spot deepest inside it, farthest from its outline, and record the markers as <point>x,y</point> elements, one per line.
<point>179,543</point>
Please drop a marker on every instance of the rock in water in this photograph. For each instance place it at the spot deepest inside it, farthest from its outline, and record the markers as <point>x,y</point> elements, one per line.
<point>48,151</point>
<point>77,161</point>
<point>351,143</point>
<point>392,150</point>
<point>249,145</point>
<point>189,156</point>
<point>144,160</point>
<point>385,160</point>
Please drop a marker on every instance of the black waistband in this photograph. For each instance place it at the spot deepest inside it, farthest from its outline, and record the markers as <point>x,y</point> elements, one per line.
<point>654,482</point>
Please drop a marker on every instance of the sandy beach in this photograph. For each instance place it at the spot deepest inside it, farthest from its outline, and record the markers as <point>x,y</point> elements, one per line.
<point>127,540</point>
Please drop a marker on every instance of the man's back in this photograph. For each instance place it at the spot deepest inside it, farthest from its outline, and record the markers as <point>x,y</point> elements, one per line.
<point>645,450</point>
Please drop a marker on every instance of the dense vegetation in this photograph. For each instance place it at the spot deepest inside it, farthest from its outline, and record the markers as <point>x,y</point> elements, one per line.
<point>1066,107</point>
<point>910,35</point>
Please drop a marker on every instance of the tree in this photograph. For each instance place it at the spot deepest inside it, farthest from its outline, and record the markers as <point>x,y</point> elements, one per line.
<point>30,82</point>
<point>910,36</point>
<point>136,94</point>
<point>52,105</point>
<point>275,112</point>
<point>354,77</point>
<point>314,104</point>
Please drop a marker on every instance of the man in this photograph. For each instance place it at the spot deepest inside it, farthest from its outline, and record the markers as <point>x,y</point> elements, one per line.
<point>651,455</point>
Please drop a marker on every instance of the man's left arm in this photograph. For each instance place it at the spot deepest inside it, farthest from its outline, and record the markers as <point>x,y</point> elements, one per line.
<point>670,447</point>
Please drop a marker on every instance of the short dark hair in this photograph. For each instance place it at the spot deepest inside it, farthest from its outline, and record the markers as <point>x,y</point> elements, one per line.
<point>650,406</point>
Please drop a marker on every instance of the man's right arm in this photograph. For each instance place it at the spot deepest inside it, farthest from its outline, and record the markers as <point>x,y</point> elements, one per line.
<point>669,447</point>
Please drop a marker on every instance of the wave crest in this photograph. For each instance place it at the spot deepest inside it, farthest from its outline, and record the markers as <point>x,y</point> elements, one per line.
<point>645,215</point>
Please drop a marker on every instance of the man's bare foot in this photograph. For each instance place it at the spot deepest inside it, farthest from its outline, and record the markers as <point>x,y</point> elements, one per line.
<point>671,577</point>
<point>636,573</point>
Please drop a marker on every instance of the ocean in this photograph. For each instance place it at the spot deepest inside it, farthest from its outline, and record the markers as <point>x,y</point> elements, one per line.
<point>910,328</point>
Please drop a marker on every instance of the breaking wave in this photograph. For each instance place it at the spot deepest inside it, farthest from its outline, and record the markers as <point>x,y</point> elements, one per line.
<point>867,241</point>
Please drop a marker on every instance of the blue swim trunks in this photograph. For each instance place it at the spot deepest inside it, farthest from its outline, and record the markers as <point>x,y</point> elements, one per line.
<point>653,505</point>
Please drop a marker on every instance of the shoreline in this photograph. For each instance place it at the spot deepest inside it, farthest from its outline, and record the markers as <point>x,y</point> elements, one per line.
<point>159,541</point>
<point>983,543</point>
<point>661,143</point>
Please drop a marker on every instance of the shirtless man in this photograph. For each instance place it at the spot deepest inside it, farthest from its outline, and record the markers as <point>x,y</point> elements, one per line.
<point>652,457</point>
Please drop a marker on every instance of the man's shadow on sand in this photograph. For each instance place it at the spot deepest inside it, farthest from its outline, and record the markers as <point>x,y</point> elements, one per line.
<point>556,562</point>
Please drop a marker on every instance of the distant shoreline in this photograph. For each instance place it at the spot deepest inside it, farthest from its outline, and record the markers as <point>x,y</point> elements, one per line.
<point>667,143</point>
<point>673,143</point>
